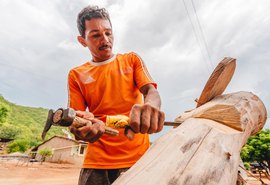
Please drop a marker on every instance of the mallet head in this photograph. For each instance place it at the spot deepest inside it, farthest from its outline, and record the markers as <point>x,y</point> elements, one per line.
<point>60,117</point>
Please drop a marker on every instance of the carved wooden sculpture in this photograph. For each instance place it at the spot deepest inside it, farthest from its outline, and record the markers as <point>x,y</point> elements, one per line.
<point>205,148</point>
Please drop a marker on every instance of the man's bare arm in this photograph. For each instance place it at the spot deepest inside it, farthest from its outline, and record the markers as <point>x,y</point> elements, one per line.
<point>147,118</point>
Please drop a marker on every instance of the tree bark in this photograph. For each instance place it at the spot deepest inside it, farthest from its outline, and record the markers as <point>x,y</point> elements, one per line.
<point>205,148</point>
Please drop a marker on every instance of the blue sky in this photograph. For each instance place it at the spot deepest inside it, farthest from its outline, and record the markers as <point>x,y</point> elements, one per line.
<point>180,41</point>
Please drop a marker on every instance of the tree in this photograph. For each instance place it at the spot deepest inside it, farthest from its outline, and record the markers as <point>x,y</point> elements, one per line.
<point>45,152</point>
<point>258,149</point>
<point>4,110</point>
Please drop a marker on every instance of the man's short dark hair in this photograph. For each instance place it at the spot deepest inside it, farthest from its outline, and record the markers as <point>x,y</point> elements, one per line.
<point>88,13</point>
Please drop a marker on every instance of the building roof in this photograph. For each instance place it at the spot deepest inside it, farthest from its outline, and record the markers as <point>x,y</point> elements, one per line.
<point>61,137</point>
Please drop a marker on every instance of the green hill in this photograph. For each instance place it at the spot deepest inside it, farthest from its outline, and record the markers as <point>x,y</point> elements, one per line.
<point>24,123</point>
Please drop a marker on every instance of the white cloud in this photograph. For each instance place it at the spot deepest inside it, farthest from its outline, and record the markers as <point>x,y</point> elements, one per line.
<point>67,45</point>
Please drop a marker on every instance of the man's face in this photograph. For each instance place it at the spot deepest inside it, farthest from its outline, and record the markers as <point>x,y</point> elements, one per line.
<point>98,38</point>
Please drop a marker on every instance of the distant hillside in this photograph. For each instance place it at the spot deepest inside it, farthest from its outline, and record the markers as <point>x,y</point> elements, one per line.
<point>25,123</point>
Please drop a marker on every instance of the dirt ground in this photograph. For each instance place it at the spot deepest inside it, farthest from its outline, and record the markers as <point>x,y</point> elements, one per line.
<point>14,173</point>
<point>37,174</point>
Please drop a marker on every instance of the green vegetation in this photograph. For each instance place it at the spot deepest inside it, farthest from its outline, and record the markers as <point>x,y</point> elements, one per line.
<point>24,125</point>
<point>19,145</point>
<point>4,110</point>
<point>257,149</point>
<point>45,152</point>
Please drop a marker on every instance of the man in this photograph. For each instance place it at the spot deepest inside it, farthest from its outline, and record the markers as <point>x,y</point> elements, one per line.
<point>111,84</point>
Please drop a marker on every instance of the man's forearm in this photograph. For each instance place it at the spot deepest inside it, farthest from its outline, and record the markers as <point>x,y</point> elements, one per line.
<point>151,96</point>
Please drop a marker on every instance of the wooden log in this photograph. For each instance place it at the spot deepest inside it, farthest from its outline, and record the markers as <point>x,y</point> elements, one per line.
<point>233,110</point>
<point>205,148</point>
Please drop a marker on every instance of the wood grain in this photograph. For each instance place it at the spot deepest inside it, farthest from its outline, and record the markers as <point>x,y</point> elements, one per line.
<point>200,150</point>
<point>218,81</point>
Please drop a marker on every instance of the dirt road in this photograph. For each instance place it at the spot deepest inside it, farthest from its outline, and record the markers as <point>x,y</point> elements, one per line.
<point>37,174</point>
<point>50,174</point>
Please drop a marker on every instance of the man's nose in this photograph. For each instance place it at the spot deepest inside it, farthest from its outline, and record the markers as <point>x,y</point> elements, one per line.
<point>105,38</point>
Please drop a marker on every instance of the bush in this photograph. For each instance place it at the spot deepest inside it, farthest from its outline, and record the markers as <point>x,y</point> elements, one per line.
<point>45,152</point>
<point>9,131</point>
<point>18,146</point>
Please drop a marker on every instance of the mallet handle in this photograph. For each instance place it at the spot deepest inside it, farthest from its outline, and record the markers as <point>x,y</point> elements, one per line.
<point>80,122</point>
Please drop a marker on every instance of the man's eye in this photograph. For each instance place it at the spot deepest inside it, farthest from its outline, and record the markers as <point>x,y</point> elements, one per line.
<point>108,33</point>
<point>95,35</point>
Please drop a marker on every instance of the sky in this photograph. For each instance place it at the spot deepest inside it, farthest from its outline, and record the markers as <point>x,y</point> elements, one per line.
<point>181,42</point>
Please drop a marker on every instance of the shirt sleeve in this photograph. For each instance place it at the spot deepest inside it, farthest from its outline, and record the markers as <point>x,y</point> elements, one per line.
<point>75,97</point>
<point>141,74</point>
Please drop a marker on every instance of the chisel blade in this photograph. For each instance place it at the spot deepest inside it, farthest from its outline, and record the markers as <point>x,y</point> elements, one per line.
<point>171,123</point>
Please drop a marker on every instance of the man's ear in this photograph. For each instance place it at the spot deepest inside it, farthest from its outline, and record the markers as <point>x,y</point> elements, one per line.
<point>82,41</point>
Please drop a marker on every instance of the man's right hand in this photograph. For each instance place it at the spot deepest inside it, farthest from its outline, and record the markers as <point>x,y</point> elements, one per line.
<point>92,131</point>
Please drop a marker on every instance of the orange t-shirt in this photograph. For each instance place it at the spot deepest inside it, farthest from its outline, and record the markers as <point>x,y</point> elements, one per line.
<point>110,88</point>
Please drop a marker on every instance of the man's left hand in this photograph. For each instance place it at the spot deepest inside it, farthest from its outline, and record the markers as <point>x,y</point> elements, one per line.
<point>146,119</point>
